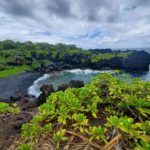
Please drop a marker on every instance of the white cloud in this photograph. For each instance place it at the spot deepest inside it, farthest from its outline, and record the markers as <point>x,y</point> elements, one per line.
<point>121,23</point>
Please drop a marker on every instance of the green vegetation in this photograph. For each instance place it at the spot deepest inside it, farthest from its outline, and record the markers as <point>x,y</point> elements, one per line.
<point>123,106</point>
<point>14,70</point>
<point>5,108</point>
<point>16,57</point>
<point>25,147</point>
<point>107,56</point>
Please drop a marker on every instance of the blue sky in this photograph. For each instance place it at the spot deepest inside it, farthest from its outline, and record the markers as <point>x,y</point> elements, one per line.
<point>85,23</point>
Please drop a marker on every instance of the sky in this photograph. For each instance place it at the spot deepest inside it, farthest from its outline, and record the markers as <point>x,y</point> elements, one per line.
<point>85,23</point>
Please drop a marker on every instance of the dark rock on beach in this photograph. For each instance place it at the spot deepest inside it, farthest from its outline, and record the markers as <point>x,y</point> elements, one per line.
<point>46,90</point>
<point>76,83</point>
<point>71,84</point>
<point>63,87</point>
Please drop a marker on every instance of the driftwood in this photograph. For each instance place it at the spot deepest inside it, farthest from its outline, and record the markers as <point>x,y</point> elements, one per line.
<point>113,142</point>
<point>87,147</point>
<point>66,147</point>
<point>85,139</point>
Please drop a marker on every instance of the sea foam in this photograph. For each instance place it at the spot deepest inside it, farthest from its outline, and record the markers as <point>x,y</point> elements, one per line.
<point>88,71</point>
<point>34,89</point>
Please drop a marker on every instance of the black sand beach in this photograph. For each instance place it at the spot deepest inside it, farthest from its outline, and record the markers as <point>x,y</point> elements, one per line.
<point>17,85</point>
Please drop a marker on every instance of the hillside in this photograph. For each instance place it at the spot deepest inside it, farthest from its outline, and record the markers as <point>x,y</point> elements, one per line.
<point>16,57</point>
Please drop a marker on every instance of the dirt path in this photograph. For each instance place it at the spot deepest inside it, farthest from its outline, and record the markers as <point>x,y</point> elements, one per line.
<point>7,130</point>
<point>10,125</point>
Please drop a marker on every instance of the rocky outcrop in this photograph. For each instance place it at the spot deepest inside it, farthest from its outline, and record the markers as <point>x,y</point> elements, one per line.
<point>138,61</point>
<point>63,87</point>
<point>76,84</point>
<point>46,90</point>
<point>54,66</point>
<point>71,84</point>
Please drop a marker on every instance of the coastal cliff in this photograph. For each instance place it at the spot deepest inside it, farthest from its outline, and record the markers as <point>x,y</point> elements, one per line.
<point>17,57</point>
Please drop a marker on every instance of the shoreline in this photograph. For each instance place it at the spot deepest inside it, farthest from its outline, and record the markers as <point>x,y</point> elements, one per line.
<point>17,85</point>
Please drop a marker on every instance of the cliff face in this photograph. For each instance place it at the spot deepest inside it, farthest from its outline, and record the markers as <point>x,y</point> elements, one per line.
<point>137,61</point>
<point>46,57</point>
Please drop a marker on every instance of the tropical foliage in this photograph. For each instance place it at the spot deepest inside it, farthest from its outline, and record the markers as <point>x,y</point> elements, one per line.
<point>99,111</point>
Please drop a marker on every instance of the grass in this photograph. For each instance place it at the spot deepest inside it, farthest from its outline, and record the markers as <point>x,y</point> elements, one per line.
<point>6,108</point>
<point>14,70</point>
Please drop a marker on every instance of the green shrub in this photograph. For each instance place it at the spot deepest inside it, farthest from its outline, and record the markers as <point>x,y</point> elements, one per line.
<point>75,109</point>
<point>5,108</point>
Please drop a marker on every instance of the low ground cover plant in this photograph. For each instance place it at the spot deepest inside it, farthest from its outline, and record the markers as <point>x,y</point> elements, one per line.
<point>106,107</point>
